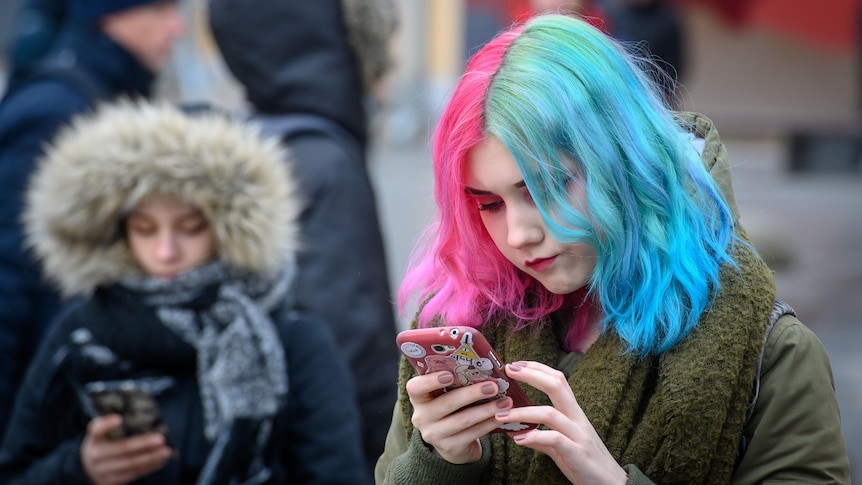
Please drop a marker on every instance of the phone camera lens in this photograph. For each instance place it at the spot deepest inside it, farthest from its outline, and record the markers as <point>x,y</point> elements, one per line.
<point>453,333</point>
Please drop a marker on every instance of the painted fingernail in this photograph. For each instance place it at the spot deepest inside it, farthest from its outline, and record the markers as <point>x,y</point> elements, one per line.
<point>519,437</point>
<point>502,414</point>
<point>446,378</point>
<point>489,388</point>
<point>514,367</point>
<point>503,403</point>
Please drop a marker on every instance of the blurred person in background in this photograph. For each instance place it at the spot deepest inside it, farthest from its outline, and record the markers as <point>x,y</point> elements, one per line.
<point>309,70</point>
<point>104,49</point>
<point>651,29</point>
<point>178,234</point>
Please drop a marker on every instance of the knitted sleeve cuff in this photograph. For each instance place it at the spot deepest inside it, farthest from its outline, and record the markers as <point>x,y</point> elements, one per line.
<point>636,477</point>
<point>419,465</point>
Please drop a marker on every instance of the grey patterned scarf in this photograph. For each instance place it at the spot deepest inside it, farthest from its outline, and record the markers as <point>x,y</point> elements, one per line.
<point>242,371</point>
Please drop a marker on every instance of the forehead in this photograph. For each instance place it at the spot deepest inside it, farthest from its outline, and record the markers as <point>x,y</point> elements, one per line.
<point>491,167</point>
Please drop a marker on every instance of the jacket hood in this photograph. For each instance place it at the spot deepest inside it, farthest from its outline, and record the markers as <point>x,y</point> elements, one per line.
<point>319,57</point>
<point>103,164</point>
<point>713,155</point>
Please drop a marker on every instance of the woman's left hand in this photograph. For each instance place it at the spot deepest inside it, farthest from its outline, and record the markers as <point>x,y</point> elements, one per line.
<point>571,441</point>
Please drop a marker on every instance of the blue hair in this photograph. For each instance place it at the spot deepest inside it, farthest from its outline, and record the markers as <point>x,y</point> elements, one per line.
<point>573,107</point>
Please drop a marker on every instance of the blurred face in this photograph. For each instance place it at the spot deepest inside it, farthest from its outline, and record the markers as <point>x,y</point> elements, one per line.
<point>147,31</point>
<point>168,237</point>
<point>516,226</point>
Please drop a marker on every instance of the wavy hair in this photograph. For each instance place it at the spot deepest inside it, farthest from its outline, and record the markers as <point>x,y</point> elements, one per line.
<point>572,106</point>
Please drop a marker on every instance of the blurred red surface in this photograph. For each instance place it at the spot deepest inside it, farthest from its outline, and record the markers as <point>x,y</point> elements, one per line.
<point>831,24</point>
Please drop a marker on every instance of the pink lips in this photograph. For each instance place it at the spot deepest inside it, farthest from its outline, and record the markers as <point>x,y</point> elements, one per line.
<point>540,264</point>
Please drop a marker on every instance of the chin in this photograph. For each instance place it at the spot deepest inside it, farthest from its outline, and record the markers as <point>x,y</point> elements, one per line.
<point>563,287</point>
<point>560,289</point>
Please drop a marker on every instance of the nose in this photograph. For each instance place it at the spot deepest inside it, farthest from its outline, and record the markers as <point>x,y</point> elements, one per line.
<point>167,249</point>
<point>524,226</point>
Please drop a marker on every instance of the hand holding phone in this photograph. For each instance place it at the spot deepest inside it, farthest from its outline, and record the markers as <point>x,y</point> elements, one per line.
<point>465,353</point>
<point>107,460</point>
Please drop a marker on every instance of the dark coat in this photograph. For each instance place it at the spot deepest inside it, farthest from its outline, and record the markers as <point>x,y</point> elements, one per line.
<point>292,57</point>
<point>30,114</point>
<point>316,436</point>
<point>304,65</point>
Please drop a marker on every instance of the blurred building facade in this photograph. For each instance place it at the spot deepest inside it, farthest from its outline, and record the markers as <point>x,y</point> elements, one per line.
<point>786,64</point>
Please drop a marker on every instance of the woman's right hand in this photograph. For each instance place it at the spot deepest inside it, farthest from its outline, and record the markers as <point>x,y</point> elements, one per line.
<point>454,432</point>
<point>120,461</point>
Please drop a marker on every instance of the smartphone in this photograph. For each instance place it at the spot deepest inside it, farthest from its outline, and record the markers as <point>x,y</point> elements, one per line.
<point>466,353</point>
<point>130,399</point>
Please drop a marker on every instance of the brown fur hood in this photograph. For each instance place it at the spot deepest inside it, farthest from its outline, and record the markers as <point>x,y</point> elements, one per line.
<point>102,165</point>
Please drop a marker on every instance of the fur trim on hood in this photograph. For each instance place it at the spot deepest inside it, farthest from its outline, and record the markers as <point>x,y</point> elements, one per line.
<point>102,165</point>
<point>370,26</point>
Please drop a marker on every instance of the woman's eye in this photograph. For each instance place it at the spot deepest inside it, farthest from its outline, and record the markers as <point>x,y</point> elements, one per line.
<point>491,207</point>
<point>193,228</point>
<point>142,229</point>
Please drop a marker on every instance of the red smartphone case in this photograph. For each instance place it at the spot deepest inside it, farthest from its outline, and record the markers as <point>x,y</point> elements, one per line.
<point>466,353</point>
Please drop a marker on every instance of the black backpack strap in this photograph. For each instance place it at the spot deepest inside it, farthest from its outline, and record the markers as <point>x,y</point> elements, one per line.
<point>289,126</point>
<point>779,309</point>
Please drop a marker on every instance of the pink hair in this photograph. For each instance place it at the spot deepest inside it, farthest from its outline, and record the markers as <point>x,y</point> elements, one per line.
<point>458,273</point>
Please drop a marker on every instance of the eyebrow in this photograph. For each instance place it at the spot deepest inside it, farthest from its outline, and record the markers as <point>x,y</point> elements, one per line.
<point>472,191</point>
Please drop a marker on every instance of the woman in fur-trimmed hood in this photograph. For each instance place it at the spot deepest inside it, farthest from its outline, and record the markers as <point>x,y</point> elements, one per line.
<point>176,232</point>
<point>102,167</point>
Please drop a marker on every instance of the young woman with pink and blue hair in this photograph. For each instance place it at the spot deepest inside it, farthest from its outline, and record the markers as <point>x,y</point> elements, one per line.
<point>592,236</point>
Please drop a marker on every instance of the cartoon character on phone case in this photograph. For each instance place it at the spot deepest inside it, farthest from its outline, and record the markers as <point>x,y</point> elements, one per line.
<point>434,350</point>
<point>437,363</point>
<point>471,368</point>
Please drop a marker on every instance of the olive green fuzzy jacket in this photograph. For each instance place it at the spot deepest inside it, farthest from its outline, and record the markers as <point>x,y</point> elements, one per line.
<point>809,451</point>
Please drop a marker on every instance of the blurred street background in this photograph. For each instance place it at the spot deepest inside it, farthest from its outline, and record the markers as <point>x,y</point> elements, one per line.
<point>779,77</point>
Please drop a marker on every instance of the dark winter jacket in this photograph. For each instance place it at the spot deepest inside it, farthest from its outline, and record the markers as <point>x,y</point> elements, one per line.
<point>35,27</point>
<point>30,114</point>
<point>316,436</point>
<point>296,59</point>
<point>103,166</point>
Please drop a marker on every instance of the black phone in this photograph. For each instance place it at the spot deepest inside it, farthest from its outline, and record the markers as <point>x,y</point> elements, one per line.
<point>131,399</point>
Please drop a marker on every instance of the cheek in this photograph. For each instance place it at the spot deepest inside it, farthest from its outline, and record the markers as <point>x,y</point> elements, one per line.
<point>136,245</point>
<point>207,246</point>
<point>495,226</point>
<point>142,251</point>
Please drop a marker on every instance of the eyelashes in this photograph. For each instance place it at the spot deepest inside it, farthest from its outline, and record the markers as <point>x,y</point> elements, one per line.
<point>491,207</point>
<point>497,205</point>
